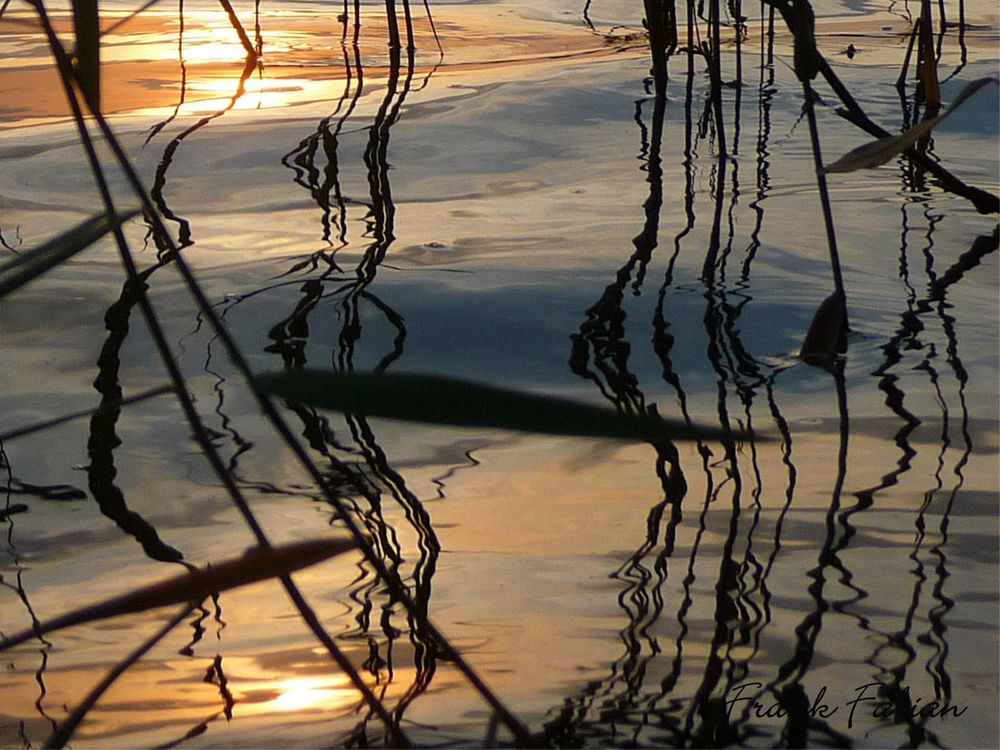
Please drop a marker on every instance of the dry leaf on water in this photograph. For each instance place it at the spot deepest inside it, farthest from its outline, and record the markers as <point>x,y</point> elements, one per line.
<point>877,153</point>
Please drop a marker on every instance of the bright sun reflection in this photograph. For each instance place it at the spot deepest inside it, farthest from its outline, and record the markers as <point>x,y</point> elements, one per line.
<point>305,693</point>
<point>257,94</point>
<point>213,41</point>
<point>252,85</point>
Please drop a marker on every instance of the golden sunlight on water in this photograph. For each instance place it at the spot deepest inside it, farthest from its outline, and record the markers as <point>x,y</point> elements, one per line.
<point>529,538</point>
<point>313,694</point>
<point>146,60</point>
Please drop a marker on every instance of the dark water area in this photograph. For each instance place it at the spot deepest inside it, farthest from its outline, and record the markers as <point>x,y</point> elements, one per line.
<point>518,209</point>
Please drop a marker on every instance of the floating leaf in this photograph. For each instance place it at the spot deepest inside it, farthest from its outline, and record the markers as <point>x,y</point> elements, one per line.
<point>86,24</point>
<point>877,153</point>
<point>256,565</point>
<point>439,400</point>
<point>32,263</point>
<point>827,333</point>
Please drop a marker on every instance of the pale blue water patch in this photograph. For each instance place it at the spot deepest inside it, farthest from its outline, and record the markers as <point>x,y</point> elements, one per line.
<point>979,116</point>
<point>504,163</point>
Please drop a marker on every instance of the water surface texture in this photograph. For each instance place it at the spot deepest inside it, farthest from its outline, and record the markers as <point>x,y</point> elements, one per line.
<point>507,202</point>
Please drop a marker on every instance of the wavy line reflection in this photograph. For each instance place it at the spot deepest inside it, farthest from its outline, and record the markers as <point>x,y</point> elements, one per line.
<point>358,463</point>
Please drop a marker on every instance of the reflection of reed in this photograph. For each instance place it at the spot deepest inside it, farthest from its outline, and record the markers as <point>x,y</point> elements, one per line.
<point>738,572</point>
<point>740,581</point>
<point>214,675</point>
<point>787,686</point>
<point>600,353</point>
<point>182,87</point>
<point>103,440</point>
<point>201,434</point>
<point>633,703</point>
<point>101,470</point>
<point>46,646</point>
<point>933,562</point>
<point>252,62</point>
<point>291,336</point>
<point>325,187</point>
<point>765,88</point>
<point>380,221</point>
<point>6,514</point>
<point>742,596</point>
<point>627,706</point>
<point>673,695</point>
<point>160,179</point>
<point>962,48</point>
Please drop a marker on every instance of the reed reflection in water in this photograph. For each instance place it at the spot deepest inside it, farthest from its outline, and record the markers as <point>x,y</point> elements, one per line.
<point>783,573</point>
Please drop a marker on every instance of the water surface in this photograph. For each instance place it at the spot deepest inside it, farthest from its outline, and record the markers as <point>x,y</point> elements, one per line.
<point>518,210</point>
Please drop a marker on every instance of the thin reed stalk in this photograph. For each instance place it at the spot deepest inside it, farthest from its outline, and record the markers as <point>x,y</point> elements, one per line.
<point>65,730</point>
<point>159,339</point>
<point>928,89</point>
<point>713,54</point>
<point>824,199</point>
<point>392,580</point>
<point>116,403</point>
<point>393,23</point>
<point>661,23</point>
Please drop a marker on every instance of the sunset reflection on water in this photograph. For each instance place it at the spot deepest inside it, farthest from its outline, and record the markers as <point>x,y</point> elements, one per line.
<point>147,60</point>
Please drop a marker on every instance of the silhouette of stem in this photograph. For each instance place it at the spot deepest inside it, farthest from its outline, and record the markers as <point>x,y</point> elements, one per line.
<point>200,433</point>
<point>61,736</point>
<point>824,198</point>
<point>392,580</point>
<point>984,202</point>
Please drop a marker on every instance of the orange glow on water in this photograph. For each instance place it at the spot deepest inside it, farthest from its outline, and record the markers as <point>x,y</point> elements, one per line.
<point>328,692</point>
<point>305,693</point>
<point>147,61</point>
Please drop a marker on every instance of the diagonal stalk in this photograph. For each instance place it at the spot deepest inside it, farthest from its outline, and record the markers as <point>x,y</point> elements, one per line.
<point>391,579</point>
<point>156,332</point>
<point>62,734</point>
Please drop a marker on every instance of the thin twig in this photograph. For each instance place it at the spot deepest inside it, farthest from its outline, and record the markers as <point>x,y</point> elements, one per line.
<point>824,198</point>
<point>156,332</point>
<point>61,735</point>
<point>116,403</point>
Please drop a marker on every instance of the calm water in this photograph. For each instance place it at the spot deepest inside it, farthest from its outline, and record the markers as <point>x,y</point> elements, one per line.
<point>521,212</point>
